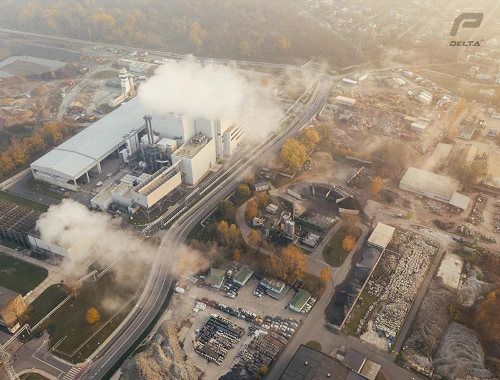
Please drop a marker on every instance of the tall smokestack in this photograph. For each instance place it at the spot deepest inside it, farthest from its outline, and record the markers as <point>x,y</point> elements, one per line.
<point>149,129</point>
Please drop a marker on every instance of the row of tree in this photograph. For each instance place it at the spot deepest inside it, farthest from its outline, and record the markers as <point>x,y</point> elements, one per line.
<point>22,151</point>
<point>295,150</point>
<point>256,29</point>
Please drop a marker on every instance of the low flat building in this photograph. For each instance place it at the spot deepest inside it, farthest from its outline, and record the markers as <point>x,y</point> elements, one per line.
<point>261,186</point>
<point>243,275</point>
<point>348,102</point>
<point>467,132</point>
<point>12,305</point>
<point>381,236</point>
<point>272,209</point>
<point>431,185</point>
<point>215,277</point>
<point>272,284</point>
<point>468,155</point>
<point>299,301</point>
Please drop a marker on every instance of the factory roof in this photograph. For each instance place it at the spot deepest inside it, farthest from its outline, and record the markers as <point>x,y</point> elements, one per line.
<point>309,364</point>
<point>191,148</point>
<point>345,101</point>
<point>243,275</point>
<point>354,360</point>
<point>421,180</point>
<point>82,151</point>
<point>300,299</point>
<point>468,129</point>
<point>459,200</point>
<point>381,235</point>
<point>6,295</point>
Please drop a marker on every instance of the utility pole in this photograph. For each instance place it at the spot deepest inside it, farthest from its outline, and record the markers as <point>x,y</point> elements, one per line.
<point>5,359</point>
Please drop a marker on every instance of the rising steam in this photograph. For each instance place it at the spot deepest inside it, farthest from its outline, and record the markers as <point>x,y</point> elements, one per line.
<point>90,236</point>
<point>213,92</point>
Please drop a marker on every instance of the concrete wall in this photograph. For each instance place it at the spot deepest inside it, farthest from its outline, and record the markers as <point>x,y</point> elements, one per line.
<point>175,127</point>
<point>53,181</point>
<point>39,245</point>
<point>427,194</point>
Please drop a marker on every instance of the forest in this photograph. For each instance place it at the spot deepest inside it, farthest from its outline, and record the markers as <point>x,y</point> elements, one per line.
<point>236,29</point>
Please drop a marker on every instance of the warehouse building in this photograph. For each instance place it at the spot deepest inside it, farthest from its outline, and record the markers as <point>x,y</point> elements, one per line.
<point>381,236</point>
<point>53,250</point>
<point>299,301</point>
<point>138,67</point>
<point>342,100</point>
<point>420,125</point>
<point>310,364</point>
<point>468,155</point>
<point>215,277</point>
<point>440,155</point>
<point>467,132</point>
<point>434,186</point>
<point>243,275</point>
<point>11,306</point>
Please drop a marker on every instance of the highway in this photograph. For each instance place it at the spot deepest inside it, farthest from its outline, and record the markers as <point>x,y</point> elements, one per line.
<point>161,278</point>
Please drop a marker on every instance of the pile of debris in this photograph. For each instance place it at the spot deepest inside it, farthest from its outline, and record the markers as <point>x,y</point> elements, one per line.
<point>477,212</point>
<point>473,288</point>
<point>162,359</point>
<point>415,256</point>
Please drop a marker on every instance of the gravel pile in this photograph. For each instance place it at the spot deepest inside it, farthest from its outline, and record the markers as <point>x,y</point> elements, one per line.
<point>460,354</point>
<point>162,359</point>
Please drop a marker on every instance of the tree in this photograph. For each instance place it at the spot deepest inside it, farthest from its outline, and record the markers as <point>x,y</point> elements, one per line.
<point>289,264</point>
<point>376,185</point>
<point>251,210</point>
<point>233,236</point>
<point>310,138</point>
<point>324,275</point>
<point>6,164</point>
<point>244,190</point>
<point>72,286</point>
<point>92,315</point>
<point>325,132</point>
<point>262,199</point>
<point>225,210</point>
<point>223,232</point>
<point>349,223</point>
<point>486,319</point>
<point>246,48</point>
<point>293,154</point>
<point>237,254</point>
<point>348,243</point>
<point>35,143</point>
<point>18,152</point>
<point>254,237</point>
<point>264,370</point>
<point>285,44</point>
<point>16,310</point>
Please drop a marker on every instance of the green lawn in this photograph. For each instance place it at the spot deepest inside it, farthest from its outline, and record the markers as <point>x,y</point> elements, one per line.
<point>108,296</point>
<point>45,302</point>
<point>20,276</point>
<point>333,253</point>
<point>32,376</point>
<point>23,201</point>
<point>358,313</point>
<point>43,188</point>
<point>9,244</point>
<point>315,345</point>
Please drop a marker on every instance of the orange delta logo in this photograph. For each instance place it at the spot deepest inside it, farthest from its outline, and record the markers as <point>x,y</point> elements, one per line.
<point>466,20</point>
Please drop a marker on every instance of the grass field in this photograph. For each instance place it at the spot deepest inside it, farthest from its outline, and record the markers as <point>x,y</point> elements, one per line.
<point>333,253</point>
<point>315,345</point>
<point>8,244</point>
<point>45,302</point>
<point>32,376</point>
<point>20,276</point>
<point>110,297</point>
<point>358,313</point>
<point>43,188</point>
<point>23,201</point>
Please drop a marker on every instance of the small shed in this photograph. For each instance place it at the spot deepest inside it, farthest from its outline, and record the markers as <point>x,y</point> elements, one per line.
<point>215,277</point>
<point>243,275</point>
<point>298,302</point>
<point>261,186</point>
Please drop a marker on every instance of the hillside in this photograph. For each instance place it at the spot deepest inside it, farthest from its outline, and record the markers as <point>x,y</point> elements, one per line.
<point>244,29</point>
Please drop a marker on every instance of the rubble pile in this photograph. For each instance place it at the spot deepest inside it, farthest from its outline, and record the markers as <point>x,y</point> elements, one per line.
<point>416,253</point>
<point>460,354</point>
<point>473,288</point>
<point>430,323</point>
<point>477,211</point>
<point>162,359</point>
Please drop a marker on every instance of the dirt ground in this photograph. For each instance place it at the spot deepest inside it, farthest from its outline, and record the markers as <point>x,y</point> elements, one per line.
<point>451,269</point>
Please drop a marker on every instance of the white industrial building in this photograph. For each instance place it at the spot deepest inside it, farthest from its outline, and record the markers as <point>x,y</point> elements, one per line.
<point>345,101</point>
<point>420,125</point>
<point>434,186</point>
<point>49,249</point>
<point>168,139</point>
<point>381,236</point>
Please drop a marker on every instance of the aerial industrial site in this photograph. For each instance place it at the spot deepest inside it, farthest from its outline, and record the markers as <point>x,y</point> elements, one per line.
<point>275,190</point>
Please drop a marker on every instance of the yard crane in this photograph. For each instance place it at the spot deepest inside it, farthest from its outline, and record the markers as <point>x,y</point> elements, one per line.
<point>5,359</point>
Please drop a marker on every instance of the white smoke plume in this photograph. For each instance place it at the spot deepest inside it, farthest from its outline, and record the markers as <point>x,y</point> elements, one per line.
<point>90,237</point>
<point>212,92</point>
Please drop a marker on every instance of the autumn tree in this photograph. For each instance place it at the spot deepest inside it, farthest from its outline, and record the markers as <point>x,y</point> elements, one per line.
<point>289,264</point>
<point>18,151</point>
<point>293,154</point>
<point>254,237</point>
<point>348,243</point>
<point>233,236</point>
<point>16,310</point>
<point>249,179</point>
<point>349,223</point>
<point>264,370</point>
<point>262,199</point>
<point>325,132</point>
<point>35,143</point>
<point>223,232</point>
<point>237,254</point>
<point>244,190</point>
<point>92,315</point>
<point>486,319</point>
<point>376,185</point>
<point>251,210</point>
<point>285,44</point>
<point>6,164</point>
<point>310,138</point>
<point>324,275</point>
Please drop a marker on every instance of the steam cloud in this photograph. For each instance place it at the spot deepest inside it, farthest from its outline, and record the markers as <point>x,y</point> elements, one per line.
<point>213,92</point>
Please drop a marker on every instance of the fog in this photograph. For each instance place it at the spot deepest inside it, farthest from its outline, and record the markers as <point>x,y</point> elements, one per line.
<point>213,92</point>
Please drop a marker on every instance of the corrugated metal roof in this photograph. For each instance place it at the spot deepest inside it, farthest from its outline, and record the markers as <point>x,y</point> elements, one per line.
<point>460,201</point>
<point>421,180</point>
<point>300,299</point>
<point>381,235</point>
